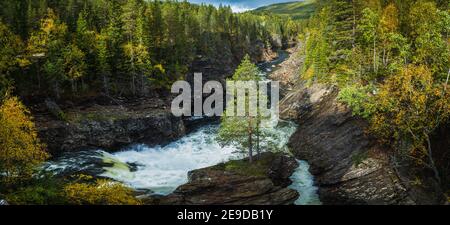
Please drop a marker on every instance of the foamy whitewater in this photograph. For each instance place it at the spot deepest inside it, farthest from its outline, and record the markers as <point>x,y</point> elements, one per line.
<point>162,169</point>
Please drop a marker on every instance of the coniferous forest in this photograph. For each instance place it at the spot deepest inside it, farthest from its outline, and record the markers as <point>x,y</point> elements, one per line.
<point>71,48</point>
<point>85,91</point>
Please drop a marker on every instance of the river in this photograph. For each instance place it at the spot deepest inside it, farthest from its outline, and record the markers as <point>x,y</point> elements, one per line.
<point>162,169</point>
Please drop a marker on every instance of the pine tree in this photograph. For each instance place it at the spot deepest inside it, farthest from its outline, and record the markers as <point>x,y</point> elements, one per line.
<point>155,27</point>
<point>48,43</point>
<point>103,56</point>
<point>74,65</point>
<point>237,130</point>
<point>10,48</point>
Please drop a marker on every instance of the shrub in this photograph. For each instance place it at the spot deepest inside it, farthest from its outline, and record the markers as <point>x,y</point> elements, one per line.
<point>42,191</point>
<point>358,99</point>
<point>20,149</point>
<point>99,192</point>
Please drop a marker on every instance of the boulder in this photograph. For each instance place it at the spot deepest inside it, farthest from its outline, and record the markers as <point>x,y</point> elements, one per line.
<point>264,182</point>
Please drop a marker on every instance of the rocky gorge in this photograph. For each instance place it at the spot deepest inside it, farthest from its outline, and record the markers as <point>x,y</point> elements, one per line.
<point>109,126</point>
<point>111,123</point>
<point>236,183</point>
<point>77,131</point>
<point>350,166</point>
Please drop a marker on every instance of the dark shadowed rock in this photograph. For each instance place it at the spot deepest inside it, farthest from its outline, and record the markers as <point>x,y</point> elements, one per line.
<point>109,127</point>
<point>349,166</point>
<point>238,183</point>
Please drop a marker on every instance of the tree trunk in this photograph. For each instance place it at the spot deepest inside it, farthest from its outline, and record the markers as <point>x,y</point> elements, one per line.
<point>446,81</point>
<point>133,74</point>
<point>83,85</point>
<point>38,71</point>
<point>57,90</point>
<point>74,88</point>
<point>105,84</point>
<point>430,158</point>
<point>250,149</point>
<point>143,84</point>
<point>258,149</point>
<point>250,142</point>
<point>354,26</point>
<point>375,54</point>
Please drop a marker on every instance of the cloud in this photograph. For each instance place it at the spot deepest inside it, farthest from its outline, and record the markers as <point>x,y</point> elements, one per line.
<point>240,8</point>
<point>240,5</point>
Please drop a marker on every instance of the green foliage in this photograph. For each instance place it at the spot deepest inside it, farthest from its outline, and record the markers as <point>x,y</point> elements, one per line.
<point>124,47</point>
<point>317,48</point>
<point>296,10</point>
<point>257,169</point>
<point>10,48</point>
<point>409,108</point>
<point>243,131</point>
<point>45,190</point>
<point>430,48</point>
<point>400,48</point>
<point>369,26</point>
<point>247,71</point>
<point>235,129</point>
<point>357,98</point>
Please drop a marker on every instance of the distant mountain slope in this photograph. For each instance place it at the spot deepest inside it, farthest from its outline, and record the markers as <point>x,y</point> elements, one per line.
<point>296,10</point>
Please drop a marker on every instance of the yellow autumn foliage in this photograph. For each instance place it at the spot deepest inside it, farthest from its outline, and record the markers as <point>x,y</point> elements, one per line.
<point>410,105</point>
<point>389,20</point>
<point>100,192</point>
<point>20,149</point>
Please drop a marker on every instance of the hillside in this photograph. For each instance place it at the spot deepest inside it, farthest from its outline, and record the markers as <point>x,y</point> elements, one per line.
<point>296,10</point>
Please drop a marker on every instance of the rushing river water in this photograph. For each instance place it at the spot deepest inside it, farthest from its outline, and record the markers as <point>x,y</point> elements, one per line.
<point>162,169</point>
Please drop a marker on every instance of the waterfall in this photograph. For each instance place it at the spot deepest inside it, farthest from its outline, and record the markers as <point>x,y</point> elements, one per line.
<point>162,169</point>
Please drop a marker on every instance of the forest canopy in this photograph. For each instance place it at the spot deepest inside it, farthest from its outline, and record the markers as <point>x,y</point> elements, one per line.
<point>66,48</point>
<point>391,62</point>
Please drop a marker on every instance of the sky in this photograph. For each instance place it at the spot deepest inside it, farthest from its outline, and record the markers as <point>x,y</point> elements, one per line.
<point>241,5</point>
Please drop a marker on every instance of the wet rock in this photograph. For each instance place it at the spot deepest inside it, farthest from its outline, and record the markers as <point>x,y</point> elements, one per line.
<point>289,70</point>
<point>263,183</point>
<point>109,127</point>
<point>349,166</point>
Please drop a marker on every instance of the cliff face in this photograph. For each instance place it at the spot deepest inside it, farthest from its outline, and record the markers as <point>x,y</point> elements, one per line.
<point>350,167</point>
<point>104,122</point>
<point>109,126</point>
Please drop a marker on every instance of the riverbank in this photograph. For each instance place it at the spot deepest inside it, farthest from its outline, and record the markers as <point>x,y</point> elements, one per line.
<point>111,123</point>
<point>350,166</point>
<point>265,182</point>
<point>162,169</point>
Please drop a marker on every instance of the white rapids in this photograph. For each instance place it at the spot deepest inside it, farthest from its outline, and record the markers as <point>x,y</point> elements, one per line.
<point>162,169</point>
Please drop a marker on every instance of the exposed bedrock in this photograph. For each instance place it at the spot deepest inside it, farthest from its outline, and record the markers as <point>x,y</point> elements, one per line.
<point>265,182</point>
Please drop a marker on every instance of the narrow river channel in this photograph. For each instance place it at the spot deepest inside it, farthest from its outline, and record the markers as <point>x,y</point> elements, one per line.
<point>162,169</point>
